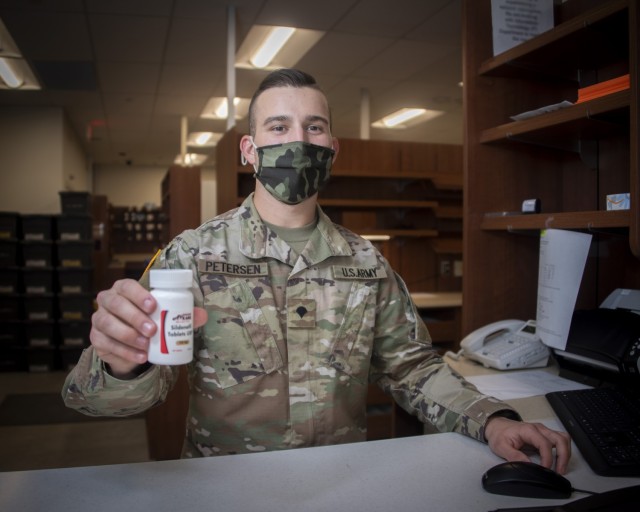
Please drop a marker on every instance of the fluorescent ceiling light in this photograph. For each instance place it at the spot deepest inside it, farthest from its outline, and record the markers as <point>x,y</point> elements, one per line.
<point>190,159</point>
<point>203,139</point>
<point>270,47</point>
<point>298,43</point>
<point>406,117</point>
<point>15,73</point>
<point>216,108</point>
<point>377,238</point>
<point>8,74</point>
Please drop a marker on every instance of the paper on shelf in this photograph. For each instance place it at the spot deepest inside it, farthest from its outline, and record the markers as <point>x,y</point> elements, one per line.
<point>563,255</point>
<point>516,21</point>
<point>542,110</point>
<point>522,384</point>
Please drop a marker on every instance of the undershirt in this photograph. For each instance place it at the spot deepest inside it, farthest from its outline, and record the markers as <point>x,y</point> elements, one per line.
<point>296,238</point>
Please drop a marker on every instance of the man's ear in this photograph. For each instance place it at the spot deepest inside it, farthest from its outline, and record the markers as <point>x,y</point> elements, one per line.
<point>336,148</point>
<point>247,150</point>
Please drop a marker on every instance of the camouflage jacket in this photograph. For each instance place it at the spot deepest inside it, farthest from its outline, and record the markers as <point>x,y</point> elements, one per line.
<point>290,345</point>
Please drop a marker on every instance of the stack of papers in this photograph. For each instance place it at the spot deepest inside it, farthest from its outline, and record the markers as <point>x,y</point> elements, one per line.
<point>603,88</point>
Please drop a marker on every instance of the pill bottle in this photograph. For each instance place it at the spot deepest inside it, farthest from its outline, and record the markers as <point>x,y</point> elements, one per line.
<point>172,343</point>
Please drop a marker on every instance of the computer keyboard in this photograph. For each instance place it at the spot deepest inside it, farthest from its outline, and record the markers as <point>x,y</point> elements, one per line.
<point>604,423</point>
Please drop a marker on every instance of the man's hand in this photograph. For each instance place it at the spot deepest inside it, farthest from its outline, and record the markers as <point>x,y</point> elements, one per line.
<point>507,438</point>
<point>121,327</point>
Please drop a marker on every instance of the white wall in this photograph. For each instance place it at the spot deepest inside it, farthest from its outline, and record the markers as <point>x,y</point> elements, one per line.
<point>129,186</point>
<point>135,186</point>
<point>37,152</point>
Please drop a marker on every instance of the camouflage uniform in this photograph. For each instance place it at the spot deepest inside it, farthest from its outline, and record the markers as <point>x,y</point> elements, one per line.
<point>290,345</point>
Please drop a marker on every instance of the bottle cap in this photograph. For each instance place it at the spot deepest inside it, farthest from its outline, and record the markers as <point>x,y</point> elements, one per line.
<point>170,278</point>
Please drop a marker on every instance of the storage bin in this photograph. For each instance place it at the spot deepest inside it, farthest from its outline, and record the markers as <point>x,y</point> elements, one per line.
<point>37,253</point>
<point>37,227</point>
<point>9,225</point>
<point>75,202</point>
<point>41,334</point>
<point>10,280</point>
<point>74,254</point>
<point>75,306</point>
<point>69,357</point>
<point>74,333</point>
<point>10,307</point>
<point>75,280</point>
<point>74,227</point>
<point>38,281</point>
<point>39,307</point>
<point>13,359</point>
<point>41,359</point>
<point>9,253</point>
<point>12,333</point>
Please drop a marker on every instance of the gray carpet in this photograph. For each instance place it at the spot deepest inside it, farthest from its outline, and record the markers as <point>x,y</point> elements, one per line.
<point>42,409</point>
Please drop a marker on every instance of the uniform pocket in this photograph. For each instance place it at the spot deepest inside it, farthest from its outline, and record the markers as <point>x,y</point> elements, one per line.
<point>238,342</point>
<point>351,352</point>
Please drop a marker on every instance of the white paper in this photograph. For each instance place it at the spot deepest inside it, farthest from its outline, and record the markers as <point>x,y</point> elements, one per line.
<point>541,110</point>
<point>563,255</point>
<point>522,384</point>
<point>516,21</point>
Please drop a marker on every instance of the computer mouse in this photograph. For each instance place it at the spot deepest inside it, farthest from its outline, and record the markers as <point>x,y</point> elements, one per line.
<point>526,479</point>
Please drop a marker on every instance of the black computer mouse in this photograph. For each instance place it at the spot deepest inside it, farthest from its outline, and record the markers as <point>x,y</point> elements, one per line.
<point>527,480</point>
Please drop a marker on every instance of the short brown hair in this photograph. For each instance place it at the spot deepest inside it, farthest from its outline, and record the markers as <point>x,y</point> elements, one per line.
<point>280,78</point>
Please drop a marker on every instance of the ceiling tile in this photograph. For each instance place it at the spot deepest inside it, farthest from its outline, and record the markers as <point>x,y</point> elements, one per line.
<point>129,38</point>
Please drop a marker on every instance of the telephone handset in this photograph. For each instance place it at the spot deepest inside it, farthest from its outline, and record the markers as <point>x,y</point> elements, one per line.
<point>505,345</point>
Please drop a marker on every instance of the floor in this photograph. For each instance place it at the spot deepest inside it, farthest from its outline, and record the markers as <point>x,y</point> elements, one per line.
<point>66,444</point>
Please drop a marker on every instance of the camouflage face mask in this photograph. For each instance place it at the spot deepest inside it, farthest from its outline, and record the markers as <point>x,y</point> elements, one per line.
<point>294,171</point>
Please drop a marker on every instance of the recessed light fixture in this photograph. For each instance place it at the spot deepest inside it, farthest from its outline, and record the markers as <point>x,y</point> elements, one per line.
<point>271,47</point>
<point>406,117</point>
<point>203,139</point>
<point>8,73</point>
<point>277,38</point>
<point>216,108</point>
<point>15,72</point>
<point>190,159</point>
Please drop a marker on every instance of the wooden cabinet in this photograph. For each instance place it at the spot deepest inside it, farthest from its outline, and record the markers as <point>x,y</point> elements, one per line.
<point>135,230</point>
<point>180,191</point>
<point>406,196</point>
<point>570,159</point>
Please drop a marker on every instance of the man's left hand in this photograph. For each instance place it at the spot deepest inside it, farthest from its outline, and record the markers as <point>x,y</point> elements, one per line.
<point>507,438</point>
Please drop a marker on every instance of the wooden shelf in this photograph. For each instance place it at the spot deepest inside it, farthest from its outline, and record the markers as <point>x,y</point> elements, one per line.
<point>571,220</point>
<point>582,41</point>
<point>588,120</point>
<point>378,203</point>
<point>508,162</point>
<point>406,195</point>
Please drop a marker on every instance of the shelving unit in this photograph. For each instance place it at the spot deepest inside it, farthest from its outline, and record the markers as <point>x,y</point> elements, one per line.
<point>570,159</point>
<point>408,192</point>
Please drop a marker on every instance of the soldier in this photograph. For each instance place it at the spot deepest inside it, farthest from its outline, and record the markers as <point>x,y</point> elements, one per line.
<point>295,316</point>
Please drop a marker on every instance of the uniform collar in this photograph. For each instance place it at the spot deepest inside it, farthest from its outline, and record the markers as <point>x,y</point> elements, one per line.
<point>258,241</point>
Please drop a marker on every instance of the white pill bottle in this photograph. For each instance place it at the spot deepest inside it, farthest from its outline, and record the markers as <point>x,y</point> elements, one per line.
<point>172,343</point>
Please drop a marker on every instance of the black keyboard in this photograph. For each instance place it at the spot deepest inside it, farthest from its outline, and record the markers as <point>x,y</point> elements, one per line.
<point>604,423</point>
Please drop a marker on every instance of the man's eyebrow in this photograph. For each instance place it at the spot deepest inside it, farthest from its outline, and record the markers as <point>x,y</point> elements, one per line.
<point>278,119</point>
<point>284,118</point>
<point>314,119</point>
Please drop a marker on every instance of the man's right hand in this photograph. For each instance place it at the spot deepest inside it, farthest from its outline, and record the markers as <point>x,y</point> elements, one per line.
<point>121,327</point>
